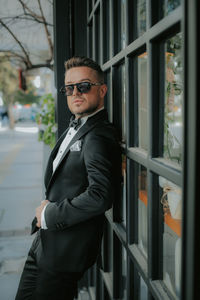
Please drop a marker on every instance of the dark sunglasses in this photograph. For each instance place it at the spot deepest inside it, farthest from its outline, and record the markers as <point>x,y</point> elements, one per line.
<point>82,87</point>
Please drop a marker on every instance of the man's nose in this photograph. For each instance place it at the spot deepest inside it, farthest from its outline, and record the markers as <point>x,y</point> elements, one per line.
<point>76,91</point>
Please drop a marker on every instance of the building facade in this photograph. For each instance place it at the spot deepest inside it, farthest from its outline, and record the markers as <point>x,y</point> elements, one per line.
<point>149,53</point>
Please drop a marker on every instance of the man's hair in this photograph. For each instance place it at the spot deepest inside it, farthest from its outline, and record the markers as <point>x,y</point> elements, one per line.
<point>82,61</point>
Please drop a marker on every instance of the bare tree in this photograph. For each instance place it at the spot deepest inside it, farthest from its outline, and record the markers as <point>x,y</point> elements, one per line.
<point>22,56</point>
<point>16,49</point>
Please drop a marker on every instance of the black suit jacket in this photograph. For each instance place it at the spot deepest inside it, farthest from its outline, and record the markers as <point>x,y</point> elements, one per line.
<point>82,188</point>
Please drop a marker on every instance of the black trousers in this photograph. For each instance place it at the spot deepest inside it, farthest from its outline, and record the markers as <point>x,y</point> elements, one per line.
<point>43,284</point>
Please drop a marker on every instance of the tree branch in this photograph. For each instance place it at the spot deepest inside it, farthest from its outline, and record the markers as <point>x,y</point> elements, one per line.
<point>27,17</point>
<point>40,19</point>
<point>24,57</point>
<point>47,31</point>
<point>31,12</point>
<point>29,64</point>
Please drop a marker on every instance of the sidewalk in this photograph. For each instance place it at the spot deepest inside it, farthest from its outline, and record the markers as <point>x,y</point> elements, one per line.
<point>21,159</point>
<point>21,185</point>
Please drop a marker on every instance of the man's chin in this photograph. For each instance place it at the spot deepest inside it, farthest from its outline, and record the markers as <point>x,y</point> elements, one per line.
<point>84,112</point>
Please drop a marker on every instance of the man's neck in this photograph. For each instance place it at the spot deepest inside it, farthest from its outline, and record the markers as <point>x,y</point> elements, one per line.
<point>88,115</point>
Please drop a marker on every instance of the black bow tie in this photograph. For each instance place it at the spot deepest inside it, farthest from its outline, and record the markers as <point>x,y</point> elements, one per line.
<point>75,123</point>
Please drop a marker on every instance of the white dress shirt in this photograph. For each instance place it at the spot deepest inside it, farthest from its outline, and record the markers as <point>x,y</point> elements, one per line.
<point>70,134</point>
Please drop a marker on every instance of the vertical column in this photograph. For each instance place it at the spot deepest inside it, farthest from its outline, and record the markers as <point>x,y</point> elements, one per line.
<point>62,51</point>
<point>80,27</point>
<point>191,224</point>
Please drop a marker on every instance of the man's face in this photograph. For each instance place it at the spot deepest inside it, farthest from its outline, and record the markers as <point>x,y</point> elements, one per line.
<point>82,104</point>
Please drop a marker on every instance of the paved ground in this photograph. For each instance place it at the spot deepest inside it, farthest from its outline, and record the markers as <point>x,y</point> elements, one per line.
<point>21,159</point>
<point>21,190</point>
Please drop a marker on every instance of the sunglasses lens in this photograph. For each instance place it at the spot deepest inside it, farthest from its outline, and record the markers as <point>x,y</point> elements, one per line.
<point>84,87</point>
<point>69,90</point>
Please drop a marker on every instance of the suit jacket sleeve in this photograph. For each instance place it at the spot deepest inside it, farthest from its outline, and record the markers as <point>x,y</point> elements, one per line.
<point>100,155</point>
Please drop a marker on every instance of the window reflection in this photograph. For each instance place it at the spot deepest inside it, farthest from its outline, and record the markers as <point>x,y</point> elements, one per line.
<point>142,209</point>
<point>143,295</point>
<point>119,105</point>
<point>169,5</point>
<point>108,251</point>
<point>123,35</point>
<point>137,19</point>
<point>97,37</point>
<point>123,197</point>
<point>90,40</point>
<point>90,6</point>
<point>124,273</point>
<point>123,104</point>
<point>119,25</point>
<point>107,102</point>
<point>106,31</point>
<point>172,201</point>
<point>141,16</point>
<point>173,118</point>
<point>142,100</point>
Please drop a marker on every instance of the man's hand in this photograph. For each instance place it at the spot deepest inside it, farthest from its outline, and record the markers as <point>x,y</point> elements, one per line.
<point>39,211</point>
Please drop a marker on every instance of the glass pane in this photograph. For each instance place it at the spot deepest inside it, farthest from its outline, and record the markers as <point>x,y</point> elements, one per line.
<point>108,251</point>
<point>106,295</point>
<point>143,290</point>
<point>107,101</point>
<point>90,6</point>
<point>123,104</point>
<point>97,37</point>
<point>123,35</point>
<point>136,19</point>
<point>106,31</point>
<point>173,114</point>
<point>142,100</point>
<point>124,273</point>
<point>119,96</point>
<point>119,25</point>
<point>123,198</point>
<point>169,5</point>
<point>90,40</point>
<point>172,206</point>
<point>142,209</point>
<point>141,16</point>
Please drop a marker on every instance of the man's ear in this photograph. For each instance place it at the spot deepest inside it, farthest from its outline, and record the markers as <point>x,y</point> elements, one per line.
<point>103,90</point>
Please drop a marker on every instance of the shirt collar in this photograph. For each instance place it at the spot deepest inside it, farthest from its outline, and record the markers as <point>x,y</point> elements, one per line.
<point>84,119</point>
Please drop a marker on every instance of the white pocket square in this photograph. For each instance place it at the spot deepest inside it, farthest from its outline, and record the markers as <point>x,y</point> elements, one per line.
<point>76,146</point>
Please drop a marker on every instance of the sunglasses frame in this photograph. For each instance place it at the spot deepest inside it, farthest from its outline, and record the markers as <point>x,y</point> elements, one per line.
<point>90,84</point>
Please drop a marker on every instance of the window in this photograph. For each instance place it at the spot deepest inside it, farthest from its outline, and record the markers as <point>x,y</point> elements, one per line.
<point>173,107</point>
<point>142,210</point>
<point>171,200</point>
<point>142,56</point>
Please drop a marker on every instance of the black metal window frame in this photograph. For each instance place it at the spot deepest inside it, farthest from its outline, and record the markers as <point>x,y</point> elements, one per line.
<point>103,45</point>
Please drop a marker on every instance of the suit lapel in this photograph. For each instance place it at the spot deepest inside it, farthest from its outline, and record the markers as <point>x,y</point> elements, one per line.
<point>91,122</point>
<point>49,168</point>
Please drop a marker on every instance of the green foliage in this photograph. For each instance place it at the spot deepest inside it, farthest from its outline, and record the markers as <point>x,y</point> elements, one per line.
<point>173,97</point>
<point>9,86</point>
<point>26,97</point>
<point>8,82</point>
<point>46,120</point>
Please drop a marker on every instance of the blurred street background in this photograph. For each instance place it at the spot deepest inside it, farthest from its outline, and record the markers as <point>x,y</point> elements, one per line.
<point>27,114</point>
<point>21,159</point>
<point>26,87</point>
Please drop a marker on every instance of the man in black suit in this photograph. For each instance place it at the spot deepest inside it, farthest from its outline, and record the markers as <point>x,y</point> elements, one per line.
<point>82,180</point>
